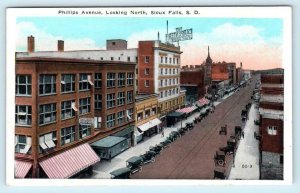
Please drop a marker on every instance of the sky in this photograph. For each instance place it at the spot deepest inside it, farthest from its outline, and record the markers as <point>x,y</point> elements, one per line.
<point>256,42</point>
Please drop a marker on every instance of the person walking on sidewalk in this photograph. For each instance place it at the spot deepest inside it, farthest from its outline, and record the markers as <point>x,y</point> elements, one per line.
<point>243,134</point>
<point>162,133</point>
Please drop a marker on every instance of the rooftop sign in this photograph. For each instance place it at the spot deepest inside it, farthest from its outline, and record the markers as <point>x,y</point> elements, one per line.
<point>180,35</point>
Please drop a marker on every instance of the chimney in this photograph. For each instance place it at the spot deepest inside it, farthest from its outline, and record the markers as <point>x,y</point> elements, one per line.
<point>60,45</point>
<point>30,44</point>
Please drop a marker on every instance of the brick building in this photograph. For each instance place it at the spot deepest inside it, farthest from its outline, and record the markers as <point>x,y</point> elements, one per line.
<point>158,72</point>
<point>64,101</point>
<point>223,71</point>
<point>271,128</point>
<point>192,80</point>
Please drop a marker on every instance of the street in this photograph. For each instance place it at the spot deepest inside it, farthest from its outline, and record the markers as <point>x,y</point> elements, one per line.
<point>191,156</point>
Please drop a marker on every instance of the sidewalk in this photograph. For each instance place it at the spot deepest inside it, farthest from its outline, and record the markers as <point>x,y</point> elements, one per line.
<point>246,162</point>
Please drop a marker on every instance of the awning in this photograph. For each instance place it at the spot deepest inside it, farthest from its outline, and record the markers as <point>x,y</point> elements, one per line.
<point>149,124</point>
<point>203,101</point>
<point>70,162</point>
<point>22,168</point>
<point>187,109</point>
<point>175,114</point>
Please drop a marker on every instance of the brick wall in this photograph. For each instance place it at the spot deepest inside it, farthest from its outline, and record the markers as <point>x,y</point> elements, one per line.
<point>145,49</point>
<point>271,143</point>
<point>272,79</point>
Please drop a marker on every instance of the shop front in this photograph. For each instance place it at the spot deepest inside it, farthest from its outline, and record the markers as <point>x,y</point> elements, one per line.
<point>150,128</point>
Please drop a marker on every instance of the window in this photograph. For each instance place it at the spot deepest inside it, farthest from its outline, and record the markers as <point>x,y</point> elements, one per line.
<point>281,159</point>
<point>119,58</point>
<point>46,141</point>
<point>84,105</point>
<point>178,61</point>
<point>67,135</point>
<point>110,100</point>
<point>173,70</point>
<point>173,60</point>
<point>170,71</point>
<point>147,113</point>
<point>166,82</point>
<point>147,83</point>
<point>161,59</point>
<point>84,82</point>
<point>23,85</point>
<point>166,59</point>
<point>170,60</point>
<point>121,98</point>
<point>47,113</point>
<point>47,84</point>
<point>166,93</point>
<point>129,96</point>
<point>113,43</point>
<point>129,114</point>
<point>98,80</point>
<point>128,59</point>
<point>173,81</point>
<point>110,121</point>
<point>161,71</point>
<point>121,79</point>
<point>67,83</point>
<point>140,116</point>
<point>170,81</point>
<point>98,101</point>
<point>272,130</point>
<point>111,80</point>
<point>147,59</point>
<point>101,58</point>
<point>147,71</point>
<point>130,79</point>
<point>84,131</point>
<point>120,117</point>
<point>67,109</point>
<point>22,144</point>
<point>166,71</point>
<point>153,110</point>
<point>23,115</point>
<point>111,58</point>
<point>161,94</point>
<point>161,83</point>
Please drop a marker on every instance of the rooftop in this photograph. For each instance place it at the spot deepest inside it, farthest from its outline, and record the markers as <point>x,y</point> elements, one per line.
<point>141,96</point>
<point>272,98</point>
<point>271,113</point>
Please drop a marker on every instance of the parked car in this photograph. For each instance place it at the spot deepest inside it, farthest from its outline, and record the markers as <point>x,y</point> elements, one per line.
<point>121,173</point>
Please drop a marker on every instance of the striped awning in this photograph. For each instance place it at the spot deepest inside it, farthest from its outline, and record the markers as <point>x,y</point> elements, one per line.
<point>187,109</point>
<point>70,162</point>
<point>22,168</point>
<point>203,101</point>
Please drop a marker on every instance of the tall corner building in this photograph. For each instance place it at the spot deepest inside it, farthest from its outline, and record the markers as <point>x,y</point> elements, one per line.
<point>159,72</point>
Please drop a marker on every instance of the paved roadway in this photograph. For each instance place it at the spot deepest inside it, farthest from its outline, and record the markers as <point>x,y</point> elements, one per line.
<point>191,156</point>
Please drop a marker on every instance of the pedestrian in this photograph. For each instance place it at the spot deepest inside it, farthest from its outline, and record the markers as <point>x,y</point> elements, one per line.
<point>243,134</point>
<point>162,133</point>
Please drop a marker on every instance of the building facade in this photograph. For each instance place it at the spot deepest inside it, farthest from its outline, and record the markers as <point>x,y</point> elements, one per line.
<point>271,128</point>
<point>158,72</point>
<point>146,118</point>
<point>192,80</point>
<point>63,102</point>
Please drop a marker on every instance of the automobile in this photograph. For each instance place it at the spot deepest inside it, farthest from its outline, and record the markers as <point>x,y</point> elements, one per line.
<point>219,158</point>
<point>157,149</point>
<point>219,173</point>
<point>223,130</point>
<point>231,143</point>
<point>148,157</point>
<point>166,143</point>
<point>121,173</point>
<point>134,164</point>
<point>227,150</point>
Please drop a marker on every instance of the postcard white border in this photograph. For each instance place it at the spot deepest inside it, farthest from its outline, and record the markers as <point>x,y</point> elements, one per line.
<point>283,12</point>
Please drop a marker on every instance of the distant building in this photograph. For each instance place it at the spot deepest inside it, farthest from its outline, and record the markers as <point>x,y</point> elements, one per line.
<point>224,72</point>
<point>271,128</point>
<point>192,80</point>
<point>208,72</point>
